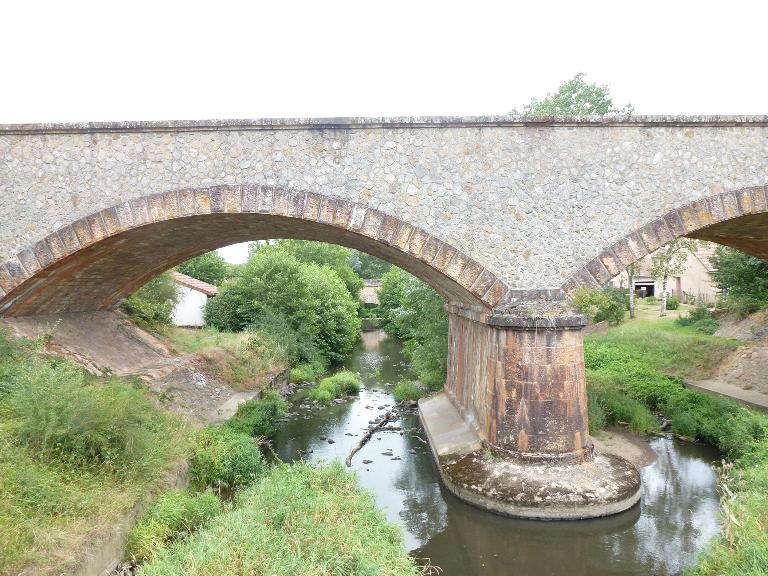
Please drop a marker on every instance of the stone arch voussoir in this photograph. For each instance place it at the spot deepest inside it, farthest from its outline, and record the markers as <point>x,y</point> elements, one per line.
<point>692,219</point>
<point>21,275</point>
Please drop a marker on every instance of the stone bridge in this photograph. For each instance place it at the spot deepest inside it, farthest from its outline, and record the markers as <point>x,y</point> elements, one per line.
<point>505,217</point>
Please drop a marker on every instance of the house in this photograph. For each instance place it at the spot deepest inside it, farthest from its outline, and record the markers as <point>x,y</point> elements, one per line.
<point>694,286</point>
<point>193,294</point>
<point>369,295</point>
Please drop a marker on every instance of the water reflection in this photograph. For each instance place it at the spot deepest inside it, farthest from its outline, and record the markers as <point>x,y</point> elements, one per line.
<point>677,515</point>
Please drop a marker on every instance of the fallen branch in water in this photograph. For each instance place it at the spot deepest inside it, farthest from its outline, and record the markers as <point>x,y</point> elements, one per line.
<point>367,437</point>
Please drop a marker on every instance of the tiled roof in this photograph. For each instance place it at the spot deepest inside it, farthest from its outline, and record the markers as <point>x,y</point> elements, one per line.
<point>195,284</point>
<point>704,253</point>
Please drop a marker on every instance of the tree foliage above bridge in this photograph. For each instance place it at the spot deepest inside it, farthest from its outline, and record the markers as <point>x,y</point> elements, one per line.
<point>575,97</point>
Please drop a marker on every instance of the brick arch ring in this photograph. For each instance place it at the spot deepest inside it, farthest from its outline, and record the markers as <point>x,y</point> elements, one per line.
<point>94,262</point>
<point>738,219</point>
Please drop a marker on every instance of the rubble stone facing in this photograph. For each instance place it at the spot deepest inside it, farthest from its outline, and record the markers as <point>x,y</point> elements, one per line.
<point>532,201</point>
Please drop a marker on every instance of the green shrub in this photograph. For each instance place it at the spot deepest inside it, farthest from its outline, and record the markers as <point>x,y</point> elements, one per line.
<point>407,391</point>
<point>701,320</point>
<point>415,313</point>
<point>597,420</point>
<point>321,396</point>
<point>224,459</point>
<point>299,520</point>
<point>744,280</point>
<point>619,408</point>
<point>258,417</point>
<point>153,304</point>
<point>340,384</point>
<point>173,515</point>
<point>650,300</point>
<point>307,372</point>
<point>673,303</point>
<point>599,305</point>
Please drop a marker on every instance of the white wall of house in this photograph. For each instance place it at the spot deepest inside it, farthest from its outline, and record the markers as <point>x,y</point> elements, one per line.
<point>189,310</point>
<point>695,281</point>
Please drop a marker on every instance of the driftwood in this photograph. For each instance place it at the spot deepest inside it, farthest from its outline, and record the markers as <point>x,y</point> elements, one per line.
<point>367,437</point>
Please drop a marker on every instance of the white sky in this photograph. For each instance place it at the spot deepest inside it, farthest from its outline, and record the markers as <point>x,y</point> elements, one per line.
<point>138,60</point>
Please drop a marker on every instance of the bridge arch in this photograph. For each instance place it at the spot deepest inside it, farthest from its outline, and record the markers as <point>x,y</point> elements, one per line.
<point>738,219</point>
<point>94,262</point>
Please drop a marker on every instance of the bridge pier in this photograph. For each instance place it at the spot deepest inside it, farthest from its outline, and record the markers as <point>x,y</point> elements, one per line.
<point>515,397</point>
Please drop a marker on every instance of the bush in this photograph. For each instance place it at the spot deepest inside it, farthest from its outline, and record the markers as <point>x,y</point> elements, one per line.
<point>331,255</point>
<point>415,313</point>
<point>224,459</point>
<point>174,514</point>
<point>599,305</point>
<point>258,417</point>
<point>300,520</point>
<point>308,372</point>
<point>673,303</point>
<point>340,384</point>
<point>618,408</point>
<point>744,280</point>
<point>650,300</point>
<point>153,304</point>
<point>700,319</point>
<point>407,391</point>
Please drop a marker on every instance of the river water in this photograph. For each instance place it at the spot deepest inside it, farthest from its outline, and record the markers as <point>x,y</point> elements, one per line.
<point>678,513</point>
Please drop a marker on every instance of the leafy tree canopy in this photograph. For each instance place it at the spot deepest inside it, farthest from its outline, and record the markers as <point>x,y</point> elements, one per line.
<point>209,267</point>
<point>331,255</point>
<point>153,303</point>
<point>743,278</point>
<point>274,287</point>
<point>367,266</point>
<point>576,97</point>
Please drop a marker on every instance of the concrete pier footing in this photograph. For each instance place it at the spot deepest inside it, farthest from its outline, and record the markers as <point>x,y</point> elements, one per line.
<point>548,489</point>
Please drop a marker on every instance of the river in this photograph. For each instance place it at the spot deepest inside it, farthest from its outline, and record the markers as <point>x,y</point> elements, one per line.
<point>678,513</point>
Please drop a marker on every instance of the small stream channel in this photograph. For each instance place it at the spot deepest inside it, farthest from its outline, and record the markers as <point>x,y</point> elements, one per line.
<point>678,513</point>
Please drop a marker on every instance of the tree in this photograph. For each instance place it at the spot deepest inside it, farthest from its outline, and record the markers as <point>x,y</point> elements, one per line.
<point>576,97</point>
<point>632,271</point>
<point>153,303</point>
<point>670,261</point>
<point>743,278</point>
<point>415,313</point>
<point>208,267</point>
<point>367,266</point>
<point>274,288</point>
<point>331,255</point>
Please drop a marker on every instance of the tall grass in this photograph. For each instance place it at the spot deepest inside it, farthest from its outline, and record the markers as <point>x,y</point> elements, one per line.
<point>300,520</point>
<point>75,453</point>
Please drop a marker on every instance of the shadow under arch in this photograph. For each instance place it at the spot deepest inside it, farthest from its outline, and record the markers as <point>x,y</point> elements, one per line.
<point>738,219</point>
<point>96,261</point>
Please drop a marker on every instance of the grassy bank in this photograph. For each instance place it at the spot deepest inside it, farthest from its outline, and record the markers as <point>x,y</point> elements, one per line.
<point>76,453</point>
<point>640,366</point>
<point>297,520</point>
<point>243,359</point>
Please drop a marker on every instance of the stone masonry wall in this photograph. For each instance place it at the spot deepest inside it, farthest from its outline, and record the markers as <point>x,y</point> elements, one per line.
<point>531,201</point>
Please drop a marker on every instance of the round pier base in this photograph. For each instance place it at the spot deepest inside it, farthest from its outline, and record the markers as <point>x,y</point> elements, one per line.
<point>604,485</point>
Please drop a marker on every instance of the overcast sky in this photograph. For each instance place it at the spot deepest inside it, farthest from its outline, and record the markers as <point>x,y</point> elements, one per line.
<point>98,61</point>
